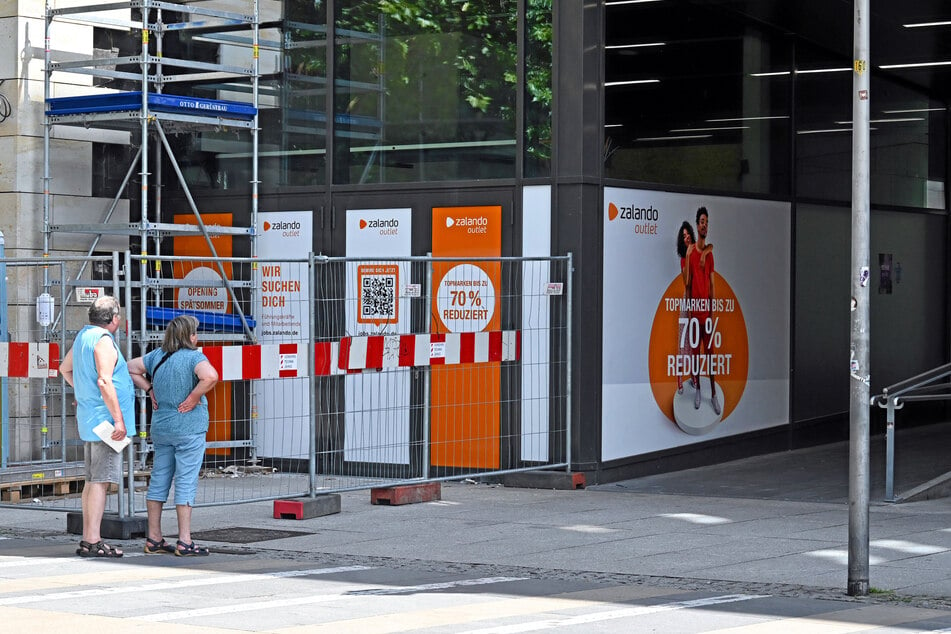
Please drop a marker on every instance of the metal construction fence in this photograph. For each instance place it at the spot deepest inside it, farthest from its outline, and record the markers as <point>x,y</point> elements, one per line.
<point>335,374</point>
<point>40,298</point>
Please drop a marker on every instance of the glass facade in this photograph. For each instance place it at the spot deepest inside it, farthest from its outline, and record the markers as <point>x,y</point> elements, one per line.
<point>424,91</point>
<point>907,137</point>
<point>684,104</point>
<point>440,90</point>
<point>715,100</point>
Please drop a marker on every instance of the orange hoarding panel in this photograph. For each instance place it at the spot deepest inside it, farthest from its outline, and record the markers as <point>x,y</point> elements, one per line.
<point>466,298</point>
<point>213,300</point>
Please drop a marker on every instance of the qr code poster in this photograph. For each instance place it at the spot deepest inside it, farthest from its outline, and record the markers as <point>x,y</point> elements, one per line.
<point>379,300</point>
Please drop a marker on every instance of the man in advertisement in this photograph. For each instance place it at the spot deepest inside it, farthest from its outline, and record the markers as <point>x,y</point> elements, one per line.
<point>702,292</point>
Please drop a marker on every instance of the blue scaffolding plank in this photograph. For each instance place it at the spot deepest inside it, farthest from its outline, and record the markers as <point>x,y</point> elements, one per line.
<point>158,102</point>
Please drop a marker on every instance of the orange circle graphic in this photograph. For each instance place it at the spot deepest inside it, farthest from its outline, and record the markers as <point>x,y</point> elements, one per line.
<point>726,328</point>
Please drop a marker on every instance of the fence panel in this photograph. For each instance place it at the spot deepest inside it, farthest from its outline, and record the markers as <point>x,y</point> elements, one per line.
<point>440,368</point>
<point>336,374</point>
<point>43,302</point>
<point>253,327</point>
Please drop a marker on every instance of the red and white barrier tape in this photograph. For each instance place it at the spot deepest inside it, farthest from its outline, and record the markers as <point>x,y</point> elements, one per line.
<point>405,351</point>
<point>288,360</point>
<point>29,360</point>
<point>354,354</point>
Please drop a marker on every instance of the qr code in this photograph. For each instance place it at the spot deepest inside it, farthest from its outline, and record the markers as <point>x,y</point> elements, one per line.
<point>378,298</point>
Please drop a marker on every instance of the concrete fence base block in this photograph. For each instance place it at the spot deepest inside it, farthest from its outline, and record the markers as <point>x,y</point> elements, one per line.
<point>307,508</point>
<point>406,494</point>
<point>545,480</point>
<point>112,526</point>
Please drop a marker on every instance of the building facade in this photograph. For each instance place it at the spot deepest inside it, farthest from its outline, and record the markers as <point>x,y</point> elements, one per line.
<point>599,129</point>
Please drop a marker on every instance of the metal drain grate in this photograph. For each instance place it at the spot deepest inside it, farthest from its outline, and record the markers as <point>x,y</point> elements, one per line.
<point>245,535</point>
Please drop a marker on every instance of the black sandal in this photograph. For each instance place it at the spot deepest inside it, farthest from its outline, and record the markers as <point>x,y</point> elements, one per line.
<point>162,547</point>
<point>99,549</point>
<point>190,550</point>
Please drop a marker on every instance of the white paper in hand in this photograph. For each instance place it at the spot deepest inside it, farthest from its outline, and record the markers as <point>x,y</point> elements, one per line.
<point>104,431</point>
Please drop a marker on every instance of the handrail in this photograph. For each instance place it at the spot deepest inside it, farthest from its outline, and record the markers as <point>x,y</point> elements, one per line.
<point>920,387</point>
<point>912,383</point>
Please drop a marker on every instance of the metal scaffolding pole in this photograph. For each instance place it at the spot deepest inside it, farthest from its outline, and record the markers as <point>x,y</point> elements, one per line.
<point>858,583</point>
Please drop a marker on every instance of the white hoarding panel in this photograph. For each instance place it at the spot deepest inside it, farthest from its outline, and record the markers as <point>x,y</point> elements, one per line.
<point>283,292</point>
<point>377,405</point>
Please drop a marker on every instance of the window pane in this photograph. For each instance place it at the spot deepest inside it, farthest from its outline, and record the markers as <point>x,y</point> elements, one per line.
<point>692,101</point>
<point>538,88</point>
<point>294,99</point>
<point>425,90</point>
<point>906,133</point>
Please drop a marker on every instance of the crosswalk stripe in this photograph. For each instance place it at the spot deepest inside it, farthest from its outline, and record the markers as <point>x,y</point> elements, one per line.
<point>860,619</point>
<point>342,592</point>
<point>442,585</point>
<point>611,615</point>
<point>35,621</point>
<point>172,585</point>
<point>412,620</point>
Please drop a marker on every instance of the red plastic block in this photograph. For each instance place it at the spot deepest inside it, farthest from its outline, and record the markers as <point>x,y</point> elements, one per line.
<point>305,508</point>
<point>407,494</point>
<point>288,509</point>
<point>578,480</point>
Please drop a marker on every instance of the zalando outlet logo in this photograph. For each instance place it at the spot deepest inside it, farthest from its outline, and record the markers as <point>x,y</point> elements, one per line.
<point>376,223</point>
<point>287,229</point>
<point>645,217</point>
<point>472,225</point>
<point>281,226</point>
<point>387,226</point>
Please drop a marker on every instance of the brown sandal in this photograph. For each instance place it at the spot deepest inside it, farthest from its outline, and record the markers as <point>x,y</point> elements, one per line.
<point>161,547</point>
<point>190,550</point>
<point>99,549</point>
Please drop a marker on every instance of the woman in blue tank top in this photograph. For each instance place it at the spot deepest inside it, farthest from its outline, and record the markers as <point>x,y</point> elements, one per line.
<point>180,377</point>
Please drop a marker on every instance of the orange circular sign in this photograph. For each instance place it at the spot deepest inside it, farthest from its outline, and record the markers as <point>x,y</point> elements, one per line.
<point>672,350</point>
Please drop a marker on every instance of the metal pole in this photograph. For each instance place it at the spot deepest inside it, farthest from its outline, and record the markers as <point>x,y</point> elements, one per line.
<point>427,376</point>
<point>890,451</point>
<point>312,376</point>
<point>859,363</point>
<point>568,324</point>
<point>4,394</point>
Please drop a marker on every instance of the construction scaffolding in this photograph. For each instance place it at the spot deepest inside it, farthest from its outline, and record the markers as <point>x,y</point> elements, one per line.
<point>146,88</point>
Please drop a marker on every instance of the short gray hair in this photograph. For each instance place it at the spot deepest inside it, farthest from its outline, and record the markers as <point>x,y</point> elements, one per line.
<point>103,310</point>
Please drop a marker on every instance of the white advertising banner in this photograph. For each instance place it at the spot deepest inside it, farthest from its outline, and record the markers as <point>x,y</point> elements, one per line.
<point>696,319</point>
<point>377,405</point>
<point>536,321</point>
<point>283,294</point>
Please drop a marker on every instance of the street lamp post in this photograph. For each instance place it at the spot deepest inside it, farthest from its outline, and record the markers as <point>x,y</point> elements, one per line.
<point>859,362</point>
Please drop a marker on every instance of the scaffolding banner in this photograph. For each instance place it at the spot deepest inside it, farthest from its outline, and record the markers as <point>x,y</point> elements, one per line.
<point>696,319</point>
<point>209,297</point>
<point>374,434</point>
<point>283,292</point>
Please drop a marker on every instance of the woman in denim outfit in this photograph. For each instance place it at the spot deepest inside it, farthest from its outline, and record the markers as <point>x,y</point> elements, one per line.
<point>181,376</point>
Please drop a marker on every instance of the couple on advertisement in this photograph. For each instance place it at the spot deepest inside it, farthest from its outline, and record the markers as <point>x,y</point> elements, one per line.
<point>696,266</point>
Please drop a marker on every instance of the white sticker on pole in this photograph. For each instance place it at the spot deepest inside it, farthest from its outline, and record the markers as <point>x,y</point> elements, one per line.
<point>466,299</point>
<point>88,294</point>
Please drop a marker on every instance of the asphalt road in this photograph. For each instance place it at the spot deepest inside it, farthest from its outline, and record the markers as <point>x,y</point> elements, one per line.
<point>44,587</point>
